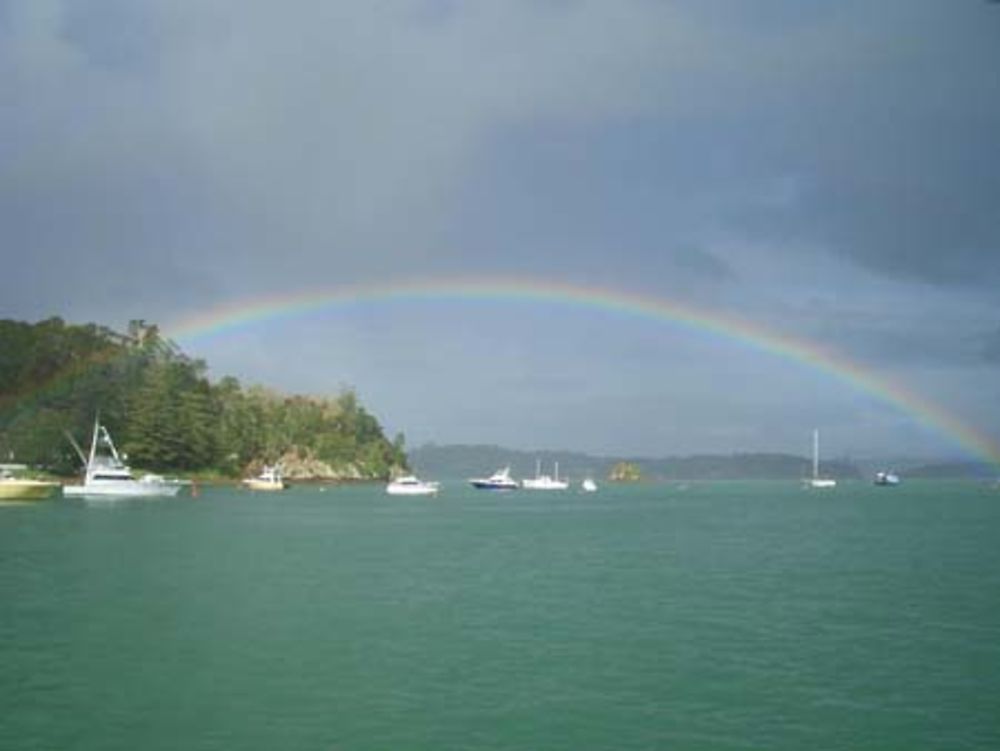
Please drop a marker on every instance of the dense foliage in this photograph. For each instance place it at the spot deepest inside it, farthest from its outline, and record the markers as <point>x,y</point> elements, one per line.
<point>164,412</point>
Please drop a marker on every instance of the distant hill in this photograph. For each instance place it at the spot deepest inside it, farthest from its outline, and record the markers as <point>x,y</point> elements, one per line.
<point>464,461</point>
<point>953,470</point>
<point>759,466</point>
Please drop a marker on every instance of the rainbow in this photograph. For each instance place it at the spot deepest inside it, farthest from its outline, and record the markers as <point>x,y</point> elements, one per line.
<point>225,319</point>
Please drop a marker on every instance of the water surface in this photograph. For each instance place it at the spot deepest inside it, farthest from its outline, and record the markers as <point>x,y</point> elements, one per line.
<point>702,616</point>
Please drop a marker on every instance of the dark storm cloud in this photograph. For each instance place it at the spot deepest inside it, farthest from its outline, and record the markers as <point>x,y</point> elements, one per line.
<point>827,170</point>
<point>118,35</point>
<point>895,160</point>
<point>991,347</point>
<point>920,206</point>
<point>702,263</point>
<point>927,345</point>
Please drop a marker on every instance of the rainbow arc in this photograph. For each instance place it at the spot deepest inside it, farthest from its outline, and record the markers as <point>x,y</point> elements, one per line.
<point>246,313</point>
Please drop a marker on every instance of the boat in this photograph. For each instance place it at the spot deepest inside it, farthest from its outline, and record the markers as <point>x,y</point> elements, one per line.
<point>22,489</point>
<point>499,480</point>
<point>269,479</point>
<point>588,485</point>
<point>817,481</point>
<point>410,485</point>
<point>107,476</point>
<point>544,482</point>
<point>886,478</point>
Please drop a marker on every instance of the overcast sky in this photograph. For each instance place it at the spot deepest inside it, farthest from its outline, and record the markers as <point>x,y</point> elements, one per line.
<point>829,171</point>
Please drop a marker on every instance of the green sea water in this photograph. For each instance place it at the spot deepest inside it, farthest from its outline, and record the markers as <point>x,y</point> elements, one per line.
<point>700,616</point>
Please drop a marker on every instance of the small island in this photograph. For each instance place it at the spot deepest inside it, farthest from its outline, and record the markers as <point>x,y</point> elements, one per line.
<point>625,472</point>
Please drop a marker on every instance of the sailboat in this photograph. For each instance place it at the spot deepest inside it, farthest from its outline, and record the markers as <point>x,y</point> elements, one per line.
<point>817,481</point>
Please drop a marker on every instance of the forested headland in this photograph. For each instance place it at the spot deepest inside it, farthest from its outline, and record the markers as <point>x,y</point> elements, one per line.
<point>166,414</point>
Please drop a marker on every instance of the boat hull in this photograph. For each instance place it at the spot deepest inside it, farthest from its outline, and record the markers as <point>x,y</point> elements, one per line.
<point>397,490</point>
<point>886,478</point>
<point>265,485</point>
<point>544,484</point>
<point>499,480</point>
<point>488,485</point>
<point>122,489</point>
<point>27,490</point>
<point>822,483</point>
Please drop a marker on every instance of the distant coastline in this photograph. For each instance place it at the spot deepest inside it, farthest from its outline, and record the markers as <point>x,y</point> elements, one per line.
<point>468,460</point>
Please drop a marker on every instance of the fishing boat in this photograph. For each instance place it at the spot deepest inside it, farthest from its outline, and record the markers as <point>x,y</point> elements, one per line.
<point>269,479</point>
<point>22,489</point>
<point>499,480</point>
<point>816,481</point>
<point>544,482</point>
<point>410,485</point>
<point>107,476</point>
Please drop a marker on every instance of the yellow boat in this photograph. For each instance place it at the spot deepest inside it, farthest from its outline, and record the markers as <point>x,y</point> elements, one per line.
<point>269,479</point>
<point>14,489</point>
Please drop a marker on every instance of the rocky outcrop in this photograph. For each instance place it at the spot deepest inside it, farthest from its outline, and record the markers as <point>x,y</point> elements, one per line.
<point>305,467</point>
<point>625,472</point>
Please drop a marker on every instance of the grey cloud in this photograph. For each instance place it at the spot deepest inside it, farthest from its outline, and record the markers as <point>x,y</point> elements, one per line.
<point>990,347</point>
<point>174,155</point>
<point>895,159</point>
<point>703,263</point>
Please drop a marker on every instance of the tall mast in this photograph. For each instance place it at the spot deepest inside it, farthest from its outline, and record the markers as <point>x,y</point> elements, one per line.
<point>815,454</point>
<point>93,441</point>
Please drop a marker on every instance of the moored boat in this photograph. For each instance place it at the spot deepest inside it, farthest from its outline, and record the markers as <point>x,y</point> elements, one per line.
<point>588,485</point>
<point>544,482</point>
<point>269,479</point>
<point>886,478</point>
<point>410,485</point>
<point>107,476</point>
<point>817,481</point>
<point>23,489</point>
<point>499,480</point>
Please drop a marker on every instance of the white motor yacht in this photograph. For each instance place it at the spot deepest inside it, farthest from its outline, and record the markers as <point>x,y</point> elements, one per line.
<point>886,478</point>
<point>499,480</point>
<point>544,482</point>
<point>410,485</point>
<point>107,476</point>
